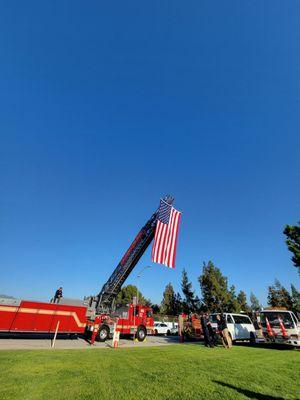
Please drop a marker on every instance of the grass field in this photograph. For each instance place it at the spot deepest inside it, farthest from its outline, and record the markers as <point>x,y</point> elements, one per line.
<point>171,372</point>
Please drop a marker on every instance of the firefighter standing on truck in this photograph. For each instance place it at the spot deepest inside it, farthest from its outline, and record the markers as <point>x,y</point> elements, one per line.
<point>58,295</point>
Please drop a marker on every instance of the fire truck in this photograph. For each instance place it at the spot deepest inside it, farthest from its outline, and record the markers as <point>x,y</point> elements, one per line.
<point>96,317</point>
<point>190,327</point>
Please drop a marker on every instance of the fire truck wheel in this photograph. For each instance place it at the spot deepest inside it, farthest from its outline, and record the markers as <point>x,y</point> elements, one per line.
<point>103,334</point>
<point>141,334</point>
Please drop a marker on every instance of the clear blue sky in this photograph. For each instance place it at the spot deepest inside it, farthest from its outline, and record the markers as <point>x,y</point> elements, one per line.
<point>106,106</point>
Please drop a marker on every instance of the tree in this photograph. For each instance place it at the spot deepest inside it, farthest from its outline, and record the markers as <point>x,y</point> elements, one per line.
<point>178,304</point>
<point>278,296</point>
<point>232,305</point>
<point>295,297</point>
<point>292,233</point>
<point>254,302</point>
<point>169,302</point>
<point>190,303</point>
<point>242,301</point>
<point>126,295</point>
<point>155,308</point>
<point>215,295</point>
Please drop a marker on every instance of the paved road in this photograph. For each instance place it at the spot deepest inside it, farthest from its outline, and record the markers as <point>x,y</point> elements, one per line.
<point>31,344</point>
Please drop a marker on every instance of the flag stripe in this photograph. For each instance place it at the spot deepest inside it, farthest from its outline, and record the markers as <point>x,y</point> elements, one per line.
<point>169,244</point>
<point>166,235</point>
<point>159,234</point>
<point>175,239</point>
<point>170,251</point>
<point>162,244</point>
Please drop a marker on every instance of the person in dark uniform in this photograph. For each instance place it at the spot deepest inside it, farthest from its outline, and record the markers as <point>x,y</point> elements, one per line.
<point>212,333</point>
<point>205,329</point>
<point>58,295</point>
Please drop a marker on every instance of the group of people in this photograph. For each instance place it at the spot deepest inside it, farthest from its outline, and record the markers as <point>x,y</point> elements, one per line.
<point>210,335</point>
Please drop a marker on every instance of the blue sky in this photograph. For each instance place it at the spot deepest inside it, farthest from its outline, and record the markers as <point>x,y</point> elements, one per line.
<point>106,106</point>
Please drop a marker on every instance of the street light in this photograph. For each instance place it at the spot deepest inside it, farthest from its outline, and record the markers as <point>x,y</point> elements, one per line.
<point>138,276</point>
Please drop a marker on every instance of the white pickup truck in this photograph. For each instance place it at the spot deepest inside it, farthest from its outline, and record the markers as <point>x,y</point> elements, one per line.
<point>280,326</point>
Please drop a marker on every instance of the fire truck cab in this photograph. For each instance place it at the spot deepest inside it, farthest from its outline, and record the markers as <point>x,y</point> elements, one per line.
<point>136,320</point>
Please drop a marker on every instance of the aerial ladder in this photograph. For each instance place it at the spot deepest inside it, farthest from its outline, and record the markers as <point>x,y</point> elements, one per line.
<point>105,301</point>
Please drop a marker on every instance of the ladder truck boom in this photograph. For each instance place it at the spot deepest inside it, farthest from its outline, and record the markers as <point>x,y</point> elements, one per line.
<point>106,298</point>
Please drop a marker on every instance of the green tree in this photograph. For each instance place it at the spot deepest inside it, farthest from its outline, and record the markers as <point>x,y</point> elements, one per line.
<point>295,297</point>
<point>292,233</point>
<point>169,303</point>
<point>178,304</point>
<point>254,302</point>
<point>232,305</point>
<point>242,301</point>
<point>155,308</point>
<point>278,296</point>
<point>214,288</point>
<point>190,303</point>
<point>126,295</point>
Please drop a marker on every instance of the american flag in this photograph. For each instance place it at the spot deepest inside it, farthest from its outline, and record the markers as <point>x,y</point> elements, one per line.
<point>166,233</point>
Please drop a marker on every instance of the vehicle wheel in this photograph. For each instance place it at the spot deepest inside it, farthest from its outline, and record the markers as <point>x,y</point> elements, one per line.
<point>103,334</point>
<point>141,334</point>
<point>155,332</point>
<point>168,332</point>
<point>252,339</point>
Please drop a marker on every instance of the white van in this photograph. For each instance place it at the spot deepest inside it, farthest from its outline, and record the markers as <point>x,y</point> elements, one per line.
<point>240,326</point>
<point>291,327</point>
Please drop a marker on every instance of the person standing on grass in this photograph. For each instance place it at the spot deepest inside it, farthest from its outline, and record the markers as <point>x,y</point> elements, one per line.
<point>224,333</point>
<point>58,295</point>
<point>204,324</point>
<point>212,333</point>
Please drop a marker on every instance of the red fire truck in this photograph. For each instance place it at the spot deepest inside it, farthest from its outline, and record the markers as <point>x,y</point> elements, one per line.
<point>20,316</point>
<point>96,317</point>
<point>190,327</point>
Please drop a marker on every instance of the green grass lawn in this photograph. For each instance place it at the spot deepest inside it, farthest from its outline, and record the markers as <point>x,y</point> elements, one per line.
<point>173,372</point>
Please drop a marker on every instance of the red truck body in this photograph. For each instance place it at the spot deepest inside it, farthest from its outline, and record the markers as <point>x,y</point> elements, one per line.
<point>38,317</point>
<point>44,318</point>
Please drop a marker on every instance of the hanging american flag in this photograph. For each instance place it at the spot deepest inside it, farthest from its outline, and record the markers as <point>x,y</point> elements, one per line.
<point>166,233</point>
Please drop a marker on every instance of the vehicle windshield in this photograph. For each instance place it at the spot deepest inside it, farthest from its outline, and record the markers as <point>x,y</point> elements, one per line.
<point>149,314</point>
<point>273,318</point>
<point>242,319</point>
